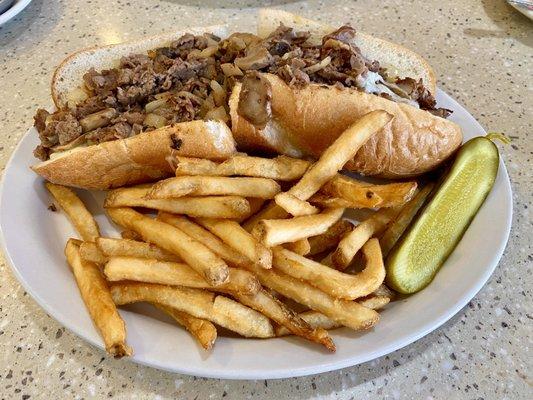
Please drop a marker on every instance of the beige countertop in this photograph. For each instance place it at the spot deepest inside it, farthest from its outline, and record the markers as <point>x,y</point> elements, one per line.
<point>482,53</point>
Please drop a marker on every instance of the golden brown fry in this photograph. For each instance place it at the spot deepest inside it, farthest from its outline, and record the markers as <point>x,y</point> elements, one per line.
<point>76,211</point>
<point>205,237</point>
<point>198,303</point>
<point>132,235</point>
<point>112,247</point>
<point>325,201</point>
<point>270,211</point>
<point>76,242</point>
<point>175,274</point>
<point>294,205</point>
<point>201,329</point>
<point>404,218</point>
<point>89,251</point>
<point>190,166</point>
<point>281,168</point>
<point>267,305</point>
<point>214,207</point>
<point>97,298</point>
<point>352,242</point>
<point>339,153</point>
<point>263,188</point>
<point>330,238</point>
<point>375,302</point>
<point>172,239</point>
<point>236,237</point>
<point>317,320</point>
<point>347,313</point>
<point>331,281</point>
<point>314,319</point>
<point>360,194</point>
<point>384,291</point>
<point>301,247</point>
<point>255,205</point>
<point>273,232</point>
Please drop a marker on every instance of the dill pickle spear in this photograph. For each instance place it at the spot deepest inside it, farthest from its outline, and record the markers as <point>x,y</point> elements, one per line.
<point>430,239</point>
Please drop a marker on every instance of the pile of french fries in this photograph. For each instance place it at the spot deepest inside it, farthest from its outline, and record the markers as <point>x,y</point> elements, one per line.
<point>255,245</point>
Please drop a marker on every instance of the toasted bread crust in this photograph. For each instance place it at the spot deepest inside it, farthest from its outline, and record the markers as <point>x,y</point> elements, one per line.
<point>138,159</point>
<point>306,121</point>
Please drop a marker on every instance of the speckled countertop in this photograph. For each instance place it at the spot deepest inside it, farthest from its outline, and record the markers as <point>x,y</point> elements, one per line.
<point>482,52</point>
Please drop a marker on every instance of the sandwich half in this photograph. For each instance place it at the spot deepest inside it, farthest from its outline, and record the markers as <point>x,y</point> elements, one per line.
<point>304,118</point>
<point>90,149</point>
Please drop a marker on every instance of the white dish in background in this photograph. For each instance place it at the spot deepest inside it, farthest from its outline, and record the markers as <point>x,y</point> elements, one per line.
<point>522,9</point>
<point>5,4</point>
<point>16,8</point>
<point>33,239</point>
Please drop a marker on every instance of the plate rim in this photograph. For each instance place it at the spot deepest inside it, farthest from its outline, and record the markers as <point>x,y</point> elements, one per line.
<point>251,374</point>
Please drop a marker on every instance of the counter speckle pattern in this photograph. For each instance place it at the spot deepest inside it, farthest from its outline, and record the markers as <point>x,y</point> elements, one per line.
<point>482,52</point>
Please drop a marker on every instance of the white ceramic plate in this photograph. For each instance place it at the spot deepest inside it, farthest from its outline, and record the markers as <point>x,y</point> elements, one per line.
<point>33,239</point>
<point>16,8</point>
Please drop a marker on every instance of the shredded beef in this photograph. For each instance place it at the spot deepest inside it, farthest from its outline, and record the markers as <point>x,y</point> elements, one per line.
<point>67,129</point>
<point>90,106</point>
<point>40,119</point>
<point>99,82</point>
<point>176,82</point>
<point>41,152</point>
<point>120,130</point>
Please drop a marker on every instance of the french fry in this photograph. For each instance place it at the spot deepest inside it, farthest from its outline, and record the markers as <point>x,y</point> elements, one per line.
<point>211,206</point>
<point>190,166</point>
<point>201,329</point>
<point>255,205</point>
<point>111,247</point>
<point>301,247</point>
<point>352,242</point>
<point>398,226</point>
<point>89,251</point>
<point>174,240</point>
<point>198,303</point>
<point>375,302</point>
<point>267,305</point>
<point>212,242</point>
<point>339,153</point>
<point>273,232</point>
<point>281,168</point>
<point>360,194</point>
<point>330,238</point>
<point>175,274</point>
<point>324,201</point>
<point>295,206</point>
<point>127,234</point>
<point>344,312</point>
<point>171,188</point>
<point>76,211</point>
<point>384,291</point>
<point>314,319</point>
<point>270,211</point>
<point>97,298</point>
<point>333,282</point>
<point>236,237</point>
<point>318,320</point>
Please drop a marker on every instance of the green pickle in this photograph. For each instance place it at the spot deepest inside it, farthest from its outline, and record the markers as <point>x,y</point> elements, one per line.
<point>430,239</point>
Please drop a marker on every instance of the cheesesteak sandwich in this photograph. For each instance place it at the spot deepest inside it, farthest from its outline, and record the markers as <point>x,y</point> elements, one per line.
<point>123,110</point>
